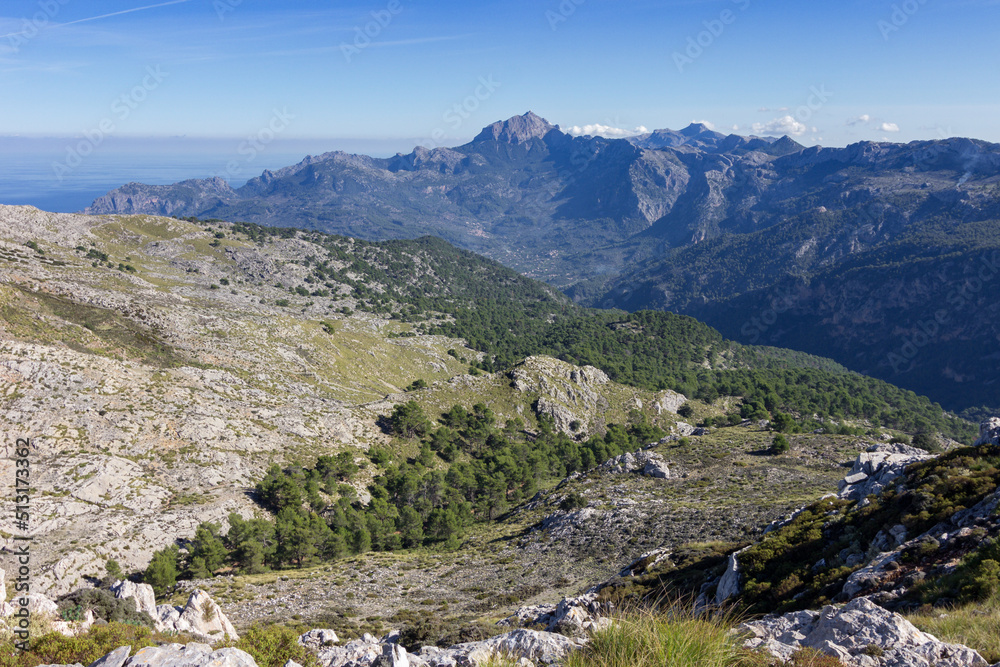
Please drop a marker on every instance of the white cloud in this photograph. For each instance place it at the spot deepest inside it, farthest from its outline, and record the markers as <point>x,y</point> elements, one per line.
<point>863,118</point>
<point>709,124</point>
<point>598,130</point>
<point>780,127</point>
<point>889,127</point>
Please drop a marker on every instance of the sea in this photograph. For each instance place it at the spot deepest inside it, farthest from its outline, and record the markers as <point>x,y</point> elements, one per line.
<point>53,175</point>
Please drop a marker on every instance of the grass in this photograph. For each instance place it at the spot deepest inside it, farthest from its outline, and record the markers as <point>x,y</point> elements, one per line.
<point>975,625</point>
<point>675,636</point>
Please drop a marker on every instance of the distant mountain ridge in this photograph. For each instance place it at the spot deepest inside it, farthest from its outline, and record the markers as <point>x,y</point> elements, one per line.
<point>695,221</point>
<point>522,191</point>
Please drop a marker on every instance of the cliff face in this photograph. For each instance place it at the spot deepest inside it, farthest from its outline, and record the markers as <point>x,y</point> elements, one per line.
<point>173,200</point>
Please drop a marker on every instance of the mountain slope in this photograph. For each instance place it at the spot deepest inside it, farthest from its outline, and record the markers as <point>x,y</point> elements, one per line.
<point>724,228</point>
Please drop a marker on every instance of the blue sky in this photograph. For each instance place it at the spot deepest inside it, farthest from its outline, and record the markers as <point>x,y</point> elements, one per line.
<point>824,71</point>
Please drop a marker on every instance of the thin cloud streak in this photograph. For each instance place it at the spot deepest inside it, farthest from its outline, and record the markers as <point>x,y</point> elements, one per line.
<point>105,16</point>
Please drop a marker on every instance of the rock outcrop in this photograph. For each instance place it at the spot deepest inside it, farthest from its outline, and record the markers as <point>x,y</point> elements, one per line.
<point>141,594</point>
<point>201,616</point>
<point>642,462</point>
<point>190,655</point>
<point>539,648</point>
<point>319,638</point>
<point>855,633</point>
<point>570,395</point>
<point>989,432</point>
<point>574,616</point>
<point>876,468</point>
<point>959,534</point>
<point>530,645</point>
<point>729,584</point>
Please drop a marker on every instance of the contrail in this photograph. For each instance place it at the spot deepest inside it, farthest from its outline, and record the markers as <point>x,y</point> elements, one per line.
<point>104,16</point>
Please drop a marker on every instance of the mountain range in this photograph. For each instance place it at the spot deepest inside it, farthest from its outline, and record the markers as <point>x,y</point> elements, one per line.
<point>878,255</point>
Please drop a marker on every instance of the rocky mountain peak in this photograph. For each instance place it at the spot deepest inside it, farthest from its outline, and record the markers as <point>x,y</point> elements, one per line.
<point>694,129</point>
<point>516,130</point>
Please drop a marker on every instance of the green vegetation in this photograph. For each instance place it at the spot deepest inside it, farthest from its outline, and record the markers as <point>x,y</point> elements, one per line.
<point>443,290</point>
<point>803,564</point>
<point>976,625</point>
<point>468,470</point>
<point>675,636</point>
<point>780,445</point>
<point>53,648</point>
<point>783,564</point>
<point>104,604</point>
<point>161,573</point>
<point>274,646</point>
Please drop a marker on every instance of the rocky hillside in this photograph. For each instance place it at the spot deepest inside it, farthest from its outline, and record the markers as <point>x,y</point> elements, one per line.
<point>159,367</point>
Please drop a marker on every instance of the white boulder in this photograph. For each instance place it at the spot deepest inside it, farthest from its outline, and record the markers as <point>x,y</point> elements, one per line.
<point>141,594</point>
<point>850,632</point>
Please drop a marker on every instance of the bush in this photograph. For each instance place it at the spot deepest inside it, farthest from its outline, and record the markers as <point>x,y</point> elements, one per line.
<point>572,501</point>
<point>274,645</point>
<point>56,649</point>
<point>780,445</point>
<point>104,604</point>
<point>927,442</point>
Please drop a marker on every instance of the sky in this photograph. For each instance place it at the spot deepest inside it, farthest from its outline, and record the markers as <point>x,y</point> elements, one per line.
<point>380,76</point>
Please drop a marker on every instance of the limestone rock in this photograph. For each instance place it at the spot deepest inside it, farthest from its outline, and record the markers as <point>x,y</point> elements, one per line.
<point>141,594</point>
<point>643,462</point>
<point>669,401</point>
<point>318,638</point>
<point>538,647</point>
<point>876,468</point>
<point>846,633</point>
<point>116,658</point>
<point>729,585</point>
<point>572,616</point>
<point>989,432</point>
<point>358,652</point>
<point>191,655</point>
<point>684,429</point>
<point>74,628</point>
<point>393,655</point>
<point>3,587</point>
<point>41,605</point>
<point>567,393</point>
<point>201,616</point>
<point>645,562</point>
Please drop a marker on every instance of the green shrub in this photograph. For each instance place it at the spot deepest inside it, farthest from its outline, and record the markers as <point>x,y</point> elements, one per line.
<point>54,648</point>
<point>274,645</point>
<point>780,445</point>
<point>104,604</point>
